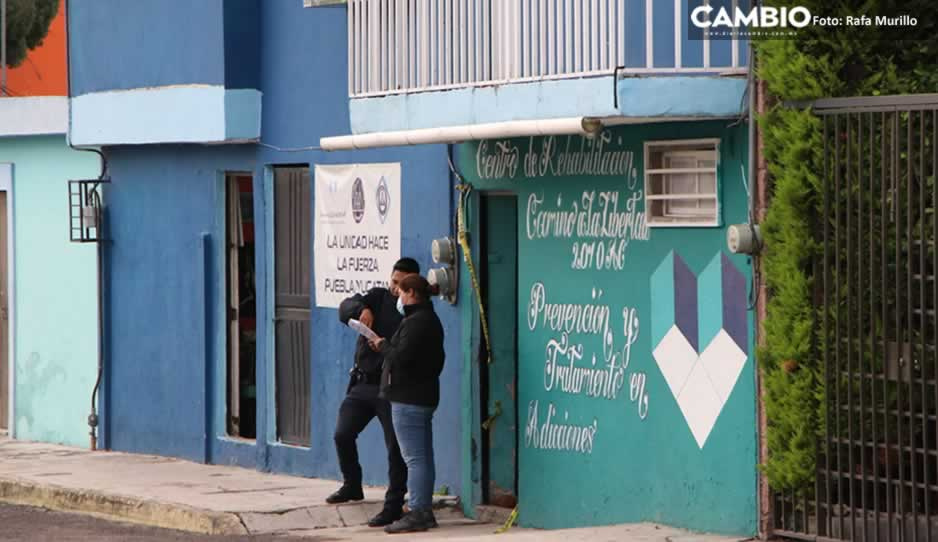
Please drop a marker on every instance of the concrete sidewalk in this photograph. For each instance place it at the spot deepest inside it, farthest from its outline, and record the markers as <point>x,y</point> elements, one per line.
<point>177,494</point>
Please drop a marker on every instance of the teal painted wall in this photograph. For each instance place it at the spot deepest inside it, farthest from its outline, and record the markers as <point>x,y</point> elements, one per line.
<point>55,293</point>
<point>622,447</point>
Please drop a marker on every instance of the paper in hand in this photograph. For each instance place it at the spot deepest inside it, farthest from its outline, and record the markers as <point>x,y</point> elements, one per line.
<point>362,329</point>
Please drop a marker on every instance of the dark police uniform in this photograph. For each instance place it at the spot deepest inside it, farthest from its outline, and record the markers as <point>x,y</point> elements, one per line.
<point>362,403</point>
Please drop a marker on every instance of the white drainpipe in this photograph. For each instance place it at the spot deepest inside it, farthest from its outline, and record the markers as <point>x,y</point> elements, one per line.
<point>469,132</point>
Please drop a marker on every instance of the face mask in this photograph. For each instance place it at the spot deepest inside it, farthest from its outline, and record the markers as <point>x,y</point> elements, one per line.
<point>400,306</point>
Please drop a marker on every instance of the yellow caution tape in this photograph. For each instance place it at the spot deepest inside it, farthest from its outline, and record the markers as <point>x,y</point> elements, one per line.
<point>509,523</point>
<point>491,419</point>
<point>464,190</point>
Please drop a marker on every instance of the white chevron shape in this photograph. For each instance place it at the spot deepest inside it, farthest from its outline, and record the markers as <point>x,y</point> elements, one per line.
<point>701,384</point>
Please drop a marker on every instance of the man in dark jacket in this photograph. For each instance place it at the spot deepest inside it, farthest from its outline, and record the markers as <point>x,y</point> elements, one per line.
<point>413,361</point>
<point>376,309</point>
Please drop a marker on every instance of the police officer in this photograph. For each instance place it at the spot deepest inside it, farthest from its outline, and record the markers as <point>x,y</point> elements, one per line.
<point>378,310</point>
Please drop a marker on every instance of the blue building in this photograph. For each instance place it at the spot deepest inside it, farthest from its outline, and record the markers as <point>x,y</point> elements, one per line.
<point>585,157</point>
<point>208,113</point>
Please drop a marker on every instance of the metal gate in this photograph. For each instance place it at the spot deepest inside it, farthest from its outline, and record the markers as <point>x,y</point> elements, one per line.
<point>874,279</point>
<point>292,246</point>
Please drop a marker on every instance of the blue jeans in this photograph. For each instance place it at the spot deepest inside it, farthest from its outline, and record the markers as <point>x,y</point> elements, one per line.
<point>413,426</point>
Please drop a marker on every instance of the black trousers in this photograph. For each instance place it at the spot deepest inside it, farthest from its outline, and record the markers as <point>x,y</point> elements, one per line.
<point>360,406</point>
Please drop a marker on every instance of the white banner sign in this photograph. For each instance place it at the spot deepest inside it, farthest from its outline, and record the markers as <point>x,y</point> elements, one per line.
<point>358,229</point>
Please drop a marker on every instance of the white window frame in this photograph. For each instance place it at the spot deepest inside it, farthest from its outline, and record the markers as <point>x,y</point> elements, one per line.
<point>679,146</point>
<point>317,3</point>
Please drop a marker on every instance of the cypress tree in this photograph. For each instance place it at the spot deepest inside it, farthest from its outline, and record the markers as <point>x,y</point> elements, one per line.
<point>27,25</point>
<point>819,62</point>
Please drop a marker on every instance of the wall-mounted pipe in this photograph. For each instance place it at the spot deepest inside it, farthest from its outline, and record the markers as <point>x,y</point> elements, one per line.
<point>99,249</point>
<point>585,126</point>
<point>456,134</point>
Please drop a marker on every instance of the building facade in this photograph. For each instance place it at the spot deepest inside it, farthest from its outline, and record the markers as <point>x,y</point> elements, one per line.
<point>622,350</point>
<point>584,158</point>
<point>602,152</point>
<point>217,347</point>
<point>48,286</point>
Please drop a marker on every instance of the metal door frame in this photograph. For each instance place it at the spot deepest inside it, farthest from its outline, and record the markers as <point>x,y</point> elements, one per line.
<point>269,263</point>
<point>272,431</point>
<point>232,313</point>
<point>224,182</point>
<point>6,185</point>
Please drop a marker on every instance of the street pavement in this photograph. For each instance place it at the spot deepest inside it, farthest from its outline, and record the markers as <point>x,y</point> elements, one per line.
<point>27,523</point>
<point>139,497</point>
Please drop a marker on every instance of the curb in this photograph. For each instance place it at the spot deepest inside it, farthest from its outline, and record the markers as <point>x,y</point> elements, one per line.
<point>195,520</point>
<point>122,508</point>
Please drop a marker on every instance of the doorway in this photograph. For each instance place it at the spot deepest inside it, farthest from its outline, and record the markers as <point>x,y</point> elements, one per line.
<point>241,306</point>
<point>499,379</point>
<point>4,316</point>
<point>292,273</point>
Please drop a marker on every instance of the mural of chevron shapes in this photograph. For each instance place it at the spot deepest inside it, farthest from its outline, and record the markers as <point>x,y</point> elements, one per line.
<point>689,311</point>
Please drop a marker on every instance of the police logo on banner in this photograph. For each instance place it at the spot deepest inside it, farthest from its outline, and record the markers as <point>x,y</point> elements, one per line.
<point>357,238</point>
<point>383,197</point>
<point>358,200</point>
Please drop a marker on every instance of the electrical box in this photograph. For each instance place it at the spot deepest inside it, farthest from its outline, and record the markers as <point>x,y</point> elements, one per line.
<point>443,251</point>
<point>744,238</point>
<point>85,208</point>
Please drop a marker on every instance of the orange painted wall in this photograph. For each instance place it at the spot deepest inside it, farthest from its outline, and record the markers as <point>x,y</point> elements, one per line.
<point>44,71</point>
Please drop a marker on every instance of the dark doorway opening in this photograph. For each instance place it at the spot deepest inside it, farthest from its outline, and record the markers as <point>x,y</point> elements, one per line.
<point>241,307</point>
<point>499,379</point>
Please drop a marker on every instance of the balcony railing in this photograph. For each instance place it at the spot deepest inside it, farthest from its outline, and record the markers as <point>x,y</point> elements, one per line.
<point>405,46</point>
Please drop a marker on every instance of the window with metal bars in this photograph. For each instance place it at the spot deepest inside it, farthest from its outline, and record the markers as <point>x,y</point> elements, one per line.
<point>681,183</point>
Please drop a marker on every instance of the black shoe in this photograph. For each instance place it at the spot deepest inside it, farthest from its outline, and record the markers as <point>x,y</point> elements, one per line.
<point>413,522</point>
<point>385,517</point>
<point>433,523</point>
<point>346,494</point>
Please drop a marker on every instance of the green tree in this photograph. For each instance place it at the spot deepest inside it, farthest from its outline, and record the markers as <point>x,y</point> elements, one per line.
<point>27,25</point>
<point>820,62</point>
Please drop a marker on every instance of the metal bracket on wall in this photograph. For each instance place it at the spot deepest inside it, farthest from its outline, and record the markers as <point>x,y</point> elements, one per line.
<point>84,208</point>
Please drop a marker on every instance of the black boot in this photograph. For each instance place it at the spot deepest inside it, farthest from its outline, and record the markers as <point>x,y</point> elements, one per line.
<point>385,517</point>
<point>346,494</point>
<point>414,521</point>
